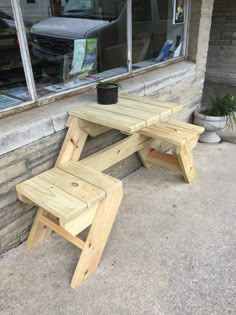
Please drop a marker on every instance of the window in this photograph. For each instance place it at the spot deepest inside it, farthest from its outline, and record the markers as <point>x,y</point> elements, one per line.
<point>74,43</point>
<point>156,38</point>
<point>13,88</point>
<point>77,43</point>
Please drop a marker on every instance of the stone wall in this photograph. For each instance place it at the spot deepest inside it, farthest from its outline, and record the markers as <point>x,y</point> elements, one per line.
<point>221,65</point>
<point>181,82</point>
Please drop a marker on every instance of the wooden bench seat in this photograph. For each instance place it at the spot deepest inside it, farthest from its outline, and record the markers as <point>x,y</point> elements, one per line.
<point>183,136</point>
<point>70,198</point>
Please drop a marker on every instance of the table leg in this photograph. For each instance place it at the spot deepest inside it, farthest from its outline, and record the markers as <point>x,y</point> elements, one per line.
<point>73,143</point>
<point>97,237</point>
<point>144,152</point>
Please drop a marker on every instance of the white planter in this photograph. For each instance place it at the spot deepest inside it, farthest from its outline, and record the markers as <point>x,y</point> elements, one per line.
<point>212,124</point>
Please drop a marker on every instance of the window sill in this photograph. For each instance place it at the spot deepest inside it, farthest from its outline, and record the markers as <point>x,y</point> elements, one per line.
<point>26,127</point>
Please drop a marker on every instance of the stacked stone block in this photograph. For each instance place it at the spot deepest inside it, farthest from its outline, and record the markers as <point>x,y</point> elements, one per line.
<point>221,66</point>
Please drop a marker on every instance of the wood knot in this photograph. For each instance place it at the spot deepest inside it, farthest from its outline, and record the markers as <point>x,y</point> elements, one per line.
<point>74,143</point>
<point>75,184</point>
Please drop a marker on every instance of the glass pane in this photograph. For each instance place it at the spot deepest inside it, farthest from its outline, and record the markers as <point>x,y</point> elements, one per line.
<point>13,89</point>
<point>158,31</point>
<point>75,42</point>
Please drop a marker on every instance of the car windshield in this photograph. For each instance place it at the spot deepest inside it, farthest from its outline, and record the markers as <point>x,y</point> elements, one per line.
<point>94,9</point>
<point>3,15</point>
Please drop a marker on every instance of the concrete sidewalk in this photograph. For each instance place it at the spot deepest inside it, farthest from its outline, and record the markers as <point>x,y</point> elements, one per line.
<point>172,251</point>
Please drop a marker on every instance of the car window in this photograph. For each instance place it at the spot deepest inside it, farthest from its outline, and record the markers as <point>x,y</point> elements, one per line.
<point>94,9</point>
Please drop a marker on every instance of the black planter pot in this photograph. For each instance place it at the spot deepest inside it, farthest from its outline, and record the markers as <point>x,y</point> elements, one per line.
<point>107,93</point>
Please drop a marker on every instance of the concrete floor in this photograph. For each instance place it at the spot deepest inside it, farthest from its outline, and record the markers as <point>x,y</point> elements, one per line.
<point>172,251</point>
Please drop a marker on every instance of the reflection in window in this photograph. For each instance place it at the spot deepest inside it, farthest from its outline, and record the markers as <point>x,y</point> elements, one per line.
<point>13,90</point>
<point>157,39</point>
<point>76,42</point>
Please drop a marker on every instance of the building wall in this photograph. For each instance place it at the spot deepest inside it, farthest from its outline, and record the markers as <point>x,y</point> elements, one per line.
<point>30,141</point>
<point>221,65</point>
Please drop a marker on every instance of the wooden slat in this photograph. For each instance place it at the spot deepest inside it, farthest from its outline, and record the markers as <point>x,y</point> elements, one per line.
<point>74,186</point>
<point>109,119</point>
<point>164,135</point>
<point>92,176</point>
<point>51,198</point>
<point>115,153</point>
<point>152,101</point>
<point>69,120</point>
<point>56,228</point>
<point>164,160</point>
<point>92,129</point>
<point>163,113</point>
<point>186,126</point>
<point>73,143</point>
<point>176,131</point>
<point>186,163</point>
<point>133,112</point>
<point>77,225</point>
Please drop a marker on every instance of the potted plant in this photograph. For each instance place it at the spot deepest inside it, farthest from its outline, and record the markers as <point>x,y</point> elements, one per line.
<point>220,111</point>
<point>107,93</point>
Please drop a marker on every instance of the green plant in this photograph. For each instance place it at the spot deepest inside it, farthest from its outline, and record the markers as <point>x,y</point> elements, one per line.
<point>222,106</point>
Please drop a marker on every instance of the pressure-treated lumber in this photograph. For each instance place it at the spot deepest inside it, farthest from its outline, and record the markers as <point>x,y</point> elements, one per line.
<point>174,107</point>
<point>108,119</point>
<point>163,135</point>
<point>115,153</point>
<point>80,223</point>
<point>73,143</point>
<point>163,159</point>
<point>67,193</point>
<point>97,238</point>
<point>129,115</point>
<point>71,199</point>
<point>133,109</point>
<point>56,228</point>
<point>186,162</point>
<point>144,153</point>
<point>190,128</point>
<point>183,137</point>
<point>92,129</point>
<point>75,194</point>
<point>39,232</point>
<point>92,176</point>
<point>74,185</point>
<point>51,198</point>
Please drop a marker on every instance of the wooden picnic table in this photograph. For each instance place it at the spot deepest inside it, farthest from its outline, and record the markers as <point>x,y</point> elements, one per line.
<point>76,193</point>
<point>130,115</point>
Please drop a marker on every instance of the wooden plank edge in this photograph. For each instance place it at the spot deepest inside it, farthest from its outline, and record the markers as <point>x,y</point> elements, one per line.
<point>59,230</point>
<point>164,160</point>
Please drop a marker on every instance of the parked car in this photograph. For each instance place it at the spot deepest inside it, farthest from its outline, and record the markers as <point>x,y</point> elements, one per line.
<point>105,20</point>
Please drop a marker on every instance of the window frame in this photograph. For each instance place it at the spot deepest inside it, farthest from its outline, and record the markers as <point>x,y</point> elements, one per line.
<point>29,76</point>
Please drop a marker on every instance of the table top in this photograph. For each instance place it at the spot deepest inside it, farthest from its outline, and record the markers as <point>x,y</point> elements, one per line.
<point>129,115</point>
